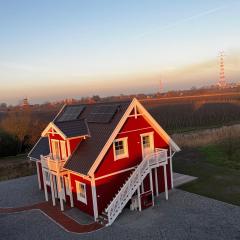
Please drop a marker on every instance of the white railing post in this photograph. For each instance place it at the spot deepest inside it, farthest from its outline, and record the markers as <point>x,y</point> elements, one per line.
<point>70,190</point>
<point>156,182</point>
<point>45,185</point>
<point>52,189</point>
<point>151,184</point>
<point>165,182</point>
<point>139,196</point>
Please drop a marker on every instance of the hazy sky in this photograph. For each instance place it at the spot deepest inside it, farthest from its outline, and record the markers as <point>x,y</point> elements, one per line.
<point>56,49</point>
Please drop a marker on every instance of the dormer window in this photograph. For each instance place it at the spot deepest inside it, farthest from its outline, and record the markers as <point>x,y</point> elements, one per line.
<point>120,148</point>
<point>63,149</point>
<point>56,149</point>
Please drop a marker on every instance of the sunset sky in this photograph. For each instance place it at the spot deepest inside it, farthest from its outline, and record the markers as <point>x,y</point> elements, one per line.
<point>57,49</point>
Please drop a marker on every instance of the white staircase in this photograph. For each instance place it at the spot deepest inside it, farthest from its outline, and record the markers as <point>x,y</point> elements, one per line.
<point>153,160</point>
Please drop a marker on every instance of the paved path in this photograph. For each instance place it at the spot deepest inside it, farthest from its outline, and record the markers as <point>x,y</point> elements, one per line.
<point>20,192</point>
<point>183,216</point>
<point>180,179</point>
<point>66,222</point>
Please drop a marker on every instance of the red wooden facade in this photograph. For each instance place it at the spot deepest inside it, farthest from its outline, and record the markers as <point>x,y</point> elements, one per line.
<point>111,174</point>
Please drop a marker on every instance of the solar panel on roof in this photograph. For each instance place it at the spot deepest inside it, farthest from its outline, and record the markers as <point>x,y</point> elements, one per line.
<point>102,113</point>
<point>71,113</point>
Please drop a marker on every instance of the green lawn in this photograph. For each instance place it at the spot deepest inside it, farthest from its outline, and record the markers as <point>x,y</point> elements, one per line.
<point>226,154</point>
<point>217,168</point>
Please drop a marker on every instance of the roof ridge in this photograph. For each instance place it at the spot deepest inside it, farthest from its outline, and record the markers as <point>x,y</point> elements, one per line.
<point>73,120</point>
<point>99,103</point>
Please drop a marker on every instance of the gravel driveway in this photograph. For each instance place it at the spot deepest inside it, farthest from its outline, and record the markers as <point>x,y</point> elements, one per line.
<point>183,216</point>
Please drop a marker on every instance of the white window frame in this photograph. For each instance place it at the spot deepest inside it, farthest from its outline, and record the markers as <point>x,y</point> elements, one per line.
<point>125,147</point>
<point>63,149</point>
<point>151,135</point>
<point>54,149</point>
<point>79,196</point>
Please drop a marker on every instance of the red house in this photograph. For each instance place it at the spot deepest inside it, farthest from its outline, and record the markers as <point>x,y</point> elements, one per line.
<point>103,157</point>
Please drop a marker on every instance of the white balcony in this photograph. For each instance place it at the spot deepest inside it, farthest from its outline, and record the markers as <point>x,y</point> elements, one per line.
<point>158,157</point>
<point>55,165</point>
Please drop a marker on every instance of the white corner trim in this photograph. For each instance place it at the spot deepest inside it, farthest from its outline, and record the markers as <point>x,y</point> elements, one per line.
<point>94,199</point>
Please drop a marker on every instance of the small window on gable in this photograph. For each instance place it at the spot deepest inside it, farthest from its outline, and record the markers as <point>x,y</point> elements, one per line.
<point>56,149</point>
<point>120,148</point>
<point>81,192</point>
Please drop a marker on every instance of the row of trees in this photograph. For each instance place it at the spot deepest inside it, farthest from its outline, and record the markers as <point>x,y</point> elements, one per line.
<point>175,117</point>
<point>19,130</point>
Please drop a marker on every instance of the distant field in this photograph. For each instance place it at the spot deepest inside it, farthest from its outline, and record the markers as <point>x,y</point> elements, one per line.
<point>180,117</point>
<point>16,166</point>
<point>217,167</point>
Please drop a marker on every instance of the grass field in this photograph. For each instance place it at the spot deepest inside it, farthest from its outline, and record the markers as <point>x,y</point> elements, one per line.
<point>15,166</point>
<point>218,172</point>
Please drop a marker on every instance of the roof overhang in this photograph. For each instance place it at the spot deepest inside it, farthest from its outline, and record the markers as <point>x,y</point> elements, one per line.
<point>52,129</point>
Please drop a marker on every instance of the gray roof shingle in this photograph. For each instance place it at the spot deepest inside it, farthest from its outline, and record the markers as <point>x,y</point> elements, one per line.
<point>88,150</point>
<point>73,128</point>
<point>41,148</point>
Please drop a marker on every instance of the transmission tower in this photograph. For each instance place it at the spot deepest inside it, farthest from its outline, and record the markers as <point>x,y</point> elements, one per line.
<point>222,81</point>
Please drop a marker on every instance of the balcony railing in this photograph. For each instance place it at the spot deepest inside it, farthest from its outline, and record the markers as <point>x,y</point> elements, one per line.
<point>158,157</point>
<point>52,164</point>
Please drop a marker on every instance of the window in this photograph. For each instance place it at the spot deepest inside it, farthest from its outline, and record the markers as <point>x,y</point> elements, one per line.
<point>81,192</point>
<point>56,149</point>
<point>146,141</point>
<point>63,149</point>
<point>120,148</point>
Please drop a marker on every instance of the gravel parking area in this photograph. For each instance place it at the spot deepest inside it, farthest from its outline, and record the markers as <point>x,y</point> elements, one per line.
<point>20,192</point>
<point>183,216</point>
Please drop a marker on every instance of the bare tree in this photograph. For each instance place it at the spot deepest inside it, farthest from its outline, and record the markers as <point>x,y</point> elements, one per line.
<point>17,124</point>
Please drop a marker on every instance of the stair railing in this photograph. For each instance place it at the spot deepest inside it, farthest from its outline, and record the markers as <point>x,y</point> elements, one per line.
<point>155,159</point>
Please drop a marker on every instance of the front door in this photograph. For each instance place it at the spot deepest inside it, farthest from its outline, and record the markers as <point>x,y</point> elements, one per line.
<point>147,144</point>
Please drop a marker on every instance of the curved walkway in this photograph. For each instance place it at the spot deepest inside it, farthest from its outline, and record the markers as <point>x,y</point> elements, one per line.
<point>57,216</point>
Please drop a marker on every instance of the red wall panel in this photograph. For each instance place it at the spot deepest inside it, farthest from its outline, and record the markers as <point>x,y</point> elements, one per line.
<point>88,208</point>
<point>74,143</point>
<point>106,188</point>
